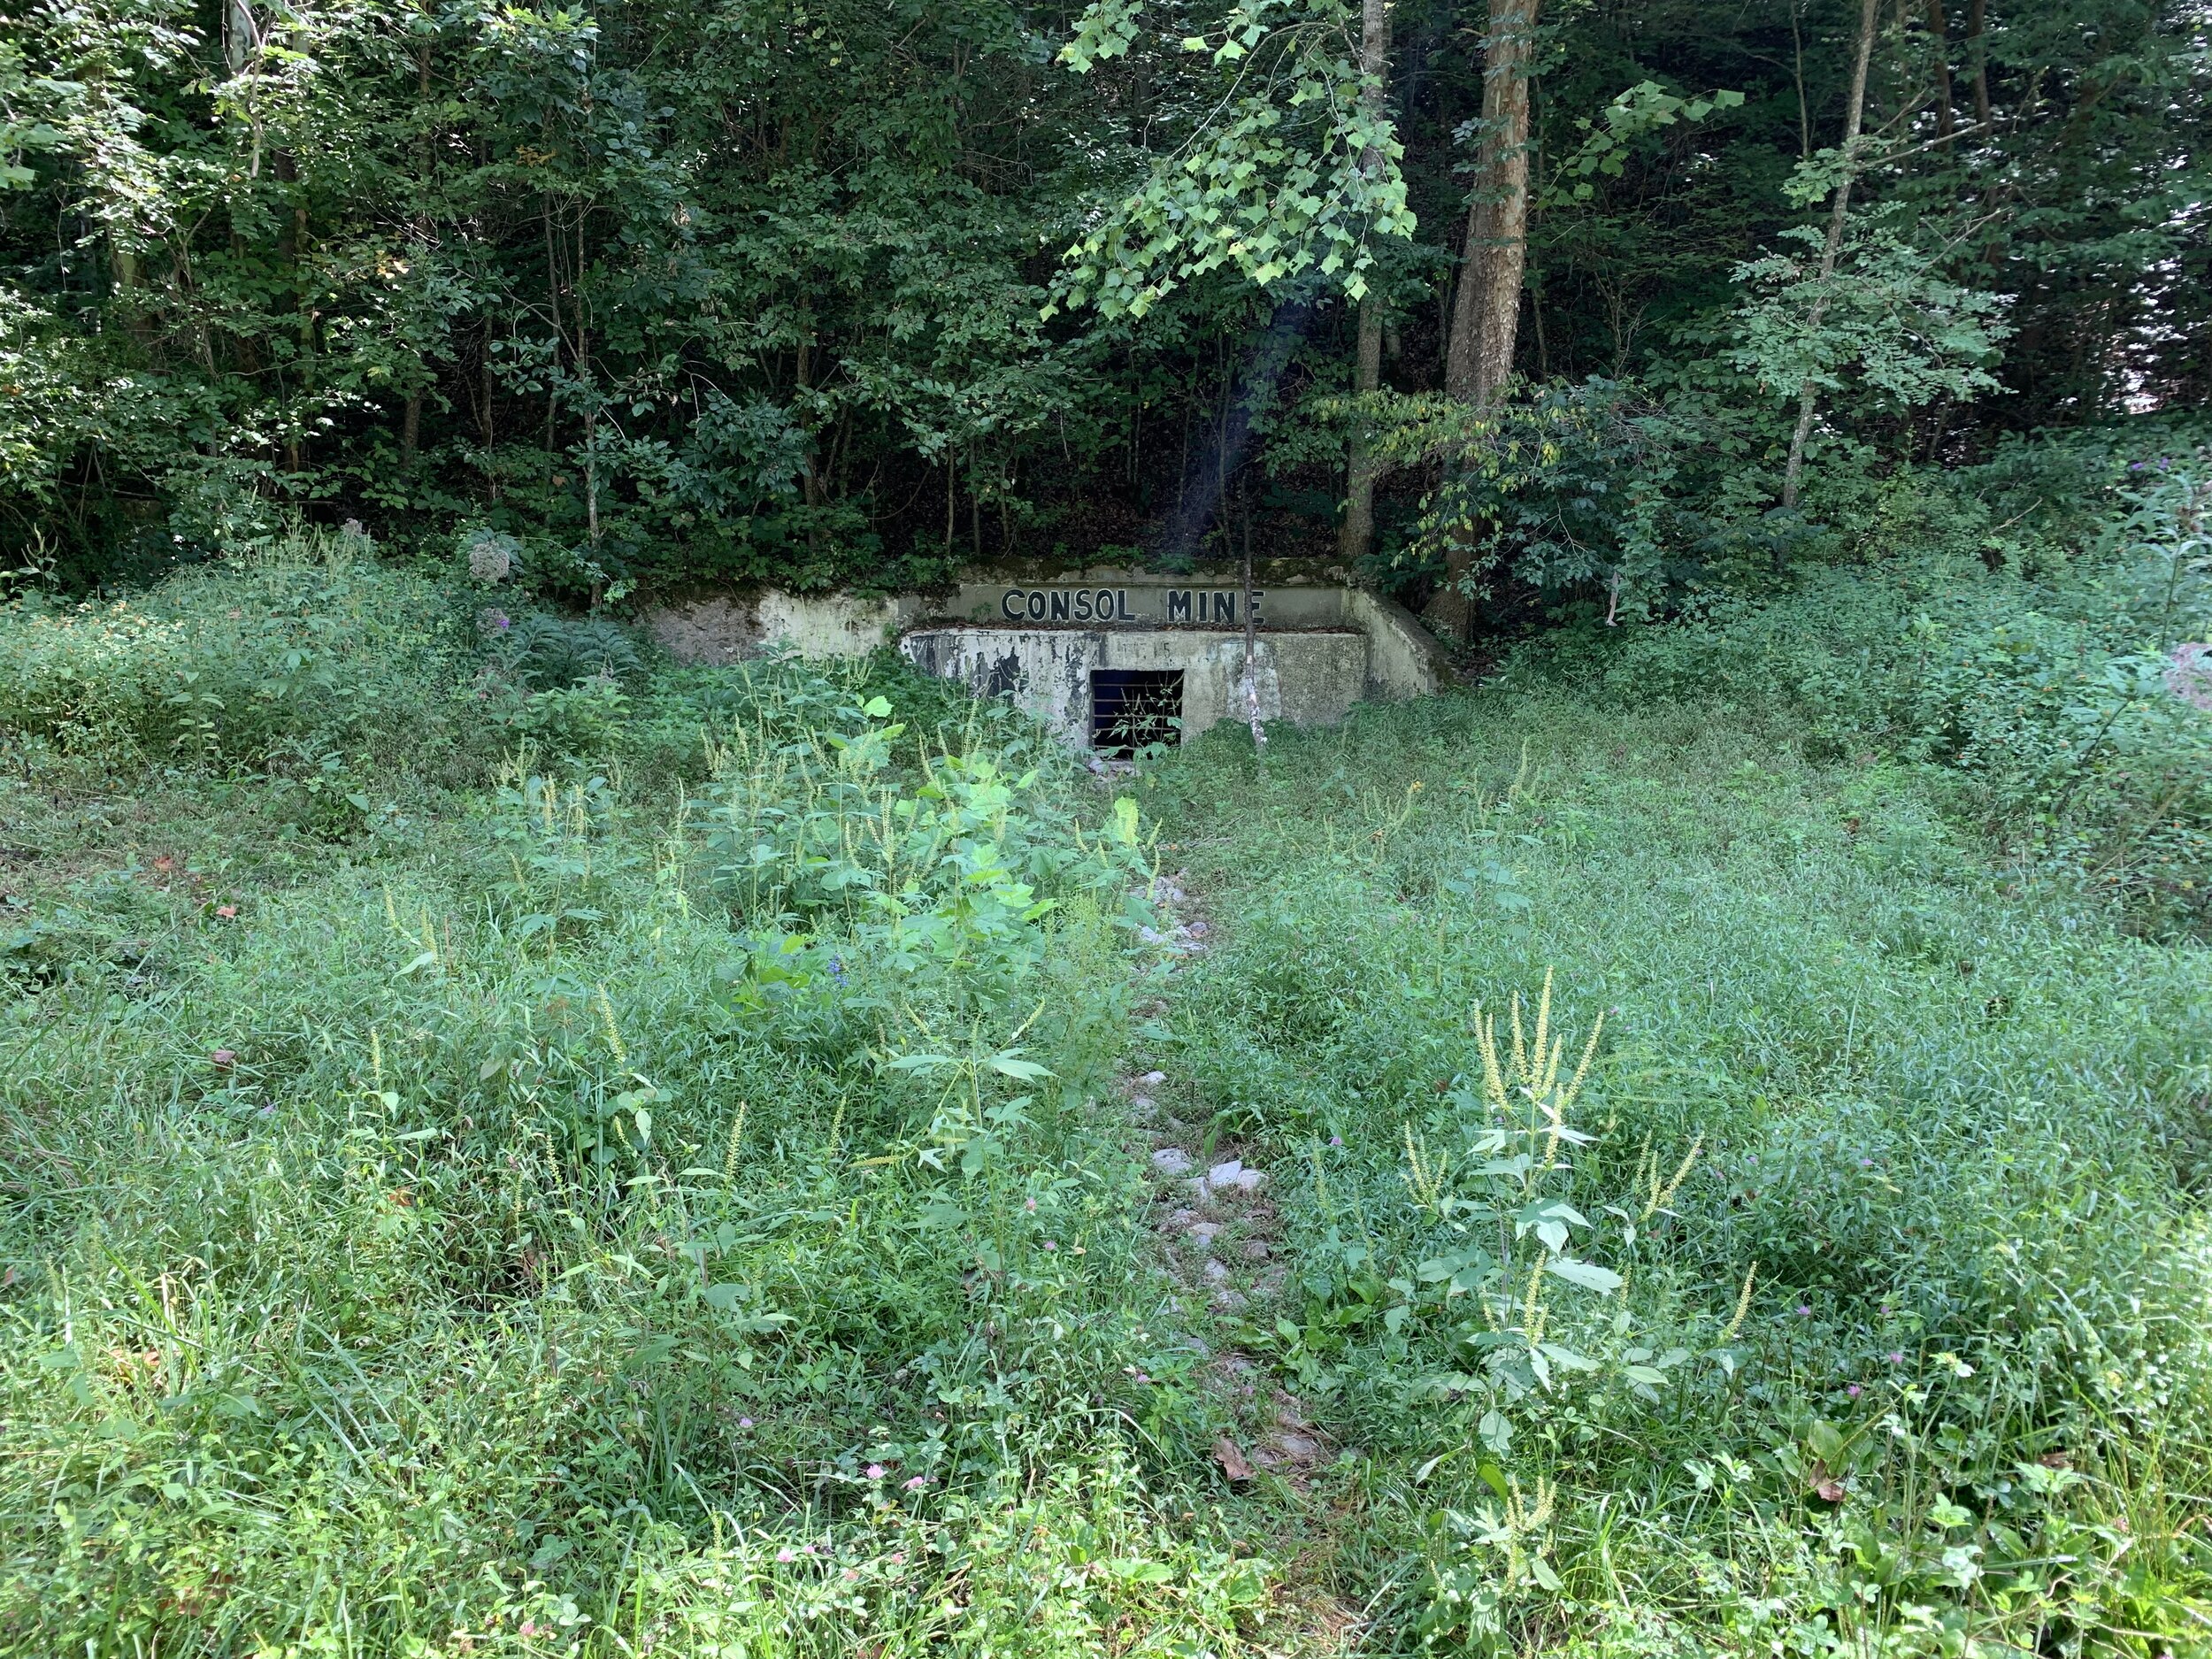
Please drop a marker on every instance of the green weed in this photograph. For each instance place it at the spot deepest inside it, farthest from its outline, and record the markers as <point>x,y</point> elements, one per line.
<point>1892,1348</point>
<point>465,1247</point>
<point>655,1178</point>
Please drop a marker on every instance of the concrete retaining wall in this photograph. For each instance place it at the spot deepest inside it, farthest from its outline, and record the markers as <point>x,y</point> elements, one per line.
<point>1403,659</point>
<point>1037,638</point>
<point>1309,679</point>
<point>730,629</point>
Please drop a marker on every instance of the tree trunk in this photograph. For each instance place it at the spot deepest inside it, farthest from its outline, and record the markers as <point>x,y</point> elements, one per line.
<point>487,381</point>
<point>1486,310</point>
<point>1855,114</point>
<point>812,489</point>
<point>1942,69</point>
<point>291,230</point>
<point>1359,507</point>
<point>1804,112</point>
<point>1248,682</point>
<point>1977,53</point>
<point>127,277</point>
<point>426,155</point>
<point>591,438</point>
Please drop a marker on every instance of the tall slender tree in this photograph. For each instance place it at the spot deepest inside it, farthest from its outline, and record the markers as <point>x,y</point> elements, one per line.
<point>1486,312</point>
<point>1838,214</point>
<point>1486,309</point>
<point>1359,510</point>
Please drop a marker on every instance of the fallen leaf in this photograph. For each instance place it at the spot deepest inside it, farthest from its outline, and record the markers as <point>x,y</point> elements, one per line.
<point>1231,1459</point>
<point>1831,1491</point>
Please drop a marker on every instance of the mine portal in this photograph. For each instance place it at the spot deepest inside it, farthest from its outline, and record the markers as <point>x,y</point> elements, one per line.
<point>1134,709</point>
<point>1110,659</point>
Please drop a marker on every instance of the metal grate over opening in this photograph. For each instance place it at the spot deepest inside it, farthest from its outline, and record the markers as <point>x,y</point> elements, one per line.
<point>1134,707</point>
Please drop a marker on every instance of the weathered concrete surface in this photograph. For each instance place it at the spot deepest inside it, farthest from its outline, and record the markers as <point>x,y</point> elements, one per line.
<point>712,631</point>
<point>1139,599</point>
<point>1403,659</point>
<point>728,630</point>
<point>2189,674</point>
<point>1037,637</point>
<point>1309,679</point>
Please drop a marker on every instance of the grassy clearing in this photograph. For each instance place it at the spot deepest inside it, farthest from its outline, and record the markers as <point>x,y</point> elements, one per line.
<point>600,1209</point>
<point>1950,1110</point>
<point>653,1165</point>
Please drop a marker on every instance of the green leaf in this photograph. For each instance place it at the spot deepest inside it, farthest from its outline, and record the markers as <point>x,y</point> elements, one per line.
<point>919,1061</point>
<point>1945,1513</point>
<point>1589,1275</point>
<point>1141,1571</point>
<point>945,1213</point>
<point>1568,1358</point>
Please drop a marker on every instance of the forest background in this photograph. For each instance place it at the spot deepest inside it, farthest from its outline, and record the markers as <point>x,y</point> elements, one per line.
<point>510,1145</point>
<point>845,294</point>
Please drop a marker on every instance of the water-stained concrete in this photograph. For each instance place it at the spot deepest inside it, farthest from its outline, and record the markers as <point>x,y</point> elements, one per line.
<point>1309,676</point>
<point>1037,637</point>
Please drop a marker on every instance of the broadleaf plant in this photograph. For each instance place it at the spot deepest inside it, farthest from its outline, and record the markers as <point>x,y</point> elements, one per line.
<point>1267,180</point>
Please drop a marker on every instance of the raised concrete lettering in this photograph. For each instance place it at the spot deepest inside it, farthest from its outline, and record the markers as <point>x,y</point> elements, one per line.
<point>1195,607</point>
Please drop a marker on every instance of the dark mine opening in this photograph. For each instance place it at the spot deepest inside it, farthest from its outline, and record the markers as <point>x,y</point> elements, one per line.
<point>1134,707</point>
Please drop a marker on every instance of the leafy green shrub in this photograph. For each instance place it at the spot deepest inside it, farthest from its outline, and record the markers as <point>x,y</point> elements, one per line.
<point>695,1313</point>
<point>546,652</point>
<point>228,666</point>
<point>586,1230</point>
<point>588,721</point>
<point>942,879</point>
<point>2049,698</point>
<point>1934,1205</point>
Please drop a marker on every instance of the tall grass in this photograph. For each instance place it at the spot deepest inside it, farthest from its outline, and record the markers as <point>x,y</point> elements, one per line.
<point>236,665</point>
<point>2043,691</point>
<point>1945,1126</point>
<point>552,1234</point>
<point>661,1177</point>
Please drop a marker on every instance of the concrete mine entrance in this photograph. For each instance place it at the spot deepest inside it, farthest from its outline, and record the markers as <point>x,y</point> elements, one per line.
<point>1135,707</point>
<point>1109,659</point>
<point>1118,661</point>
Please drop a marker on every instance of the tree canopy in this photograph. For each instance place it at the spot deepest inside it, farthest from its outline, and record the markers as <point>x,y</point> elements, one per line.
<point>831,293</point>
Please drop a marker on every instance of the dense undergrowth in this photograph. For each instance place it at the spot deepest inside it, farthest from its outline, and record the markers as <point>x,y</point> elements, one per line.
<point>2037,677</point>
<point>1952,1123</point>
<point>510,1146</point>
<point>647,1196</point>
